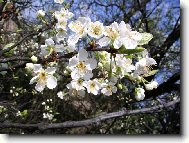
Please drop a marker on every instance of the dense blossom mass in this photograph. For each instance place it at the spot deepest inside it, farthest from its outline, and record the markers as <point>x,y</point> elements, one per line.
<point>98,72</point>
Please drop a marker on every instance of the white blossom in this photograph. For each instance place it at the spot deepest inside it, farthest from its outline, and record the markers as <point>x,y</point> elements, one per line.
<point>50,47</point>
<point>108,88</point>
<point>143,66</point>
<point>93,86</point>
<point>122,65</point>
<point>139,94</point>
<point>111,34</point>
<point>128,37</point>
<point>82,66</point>
<point>48,116</point>
<point>62,17</point>
<point>151,85</point>
<point>78,84</point>
<point>79,27</point>
<point>60,94</point>
<point>96,29</point>
<point>43,77</point>
<point>74,92</point>
<point>120,34</point>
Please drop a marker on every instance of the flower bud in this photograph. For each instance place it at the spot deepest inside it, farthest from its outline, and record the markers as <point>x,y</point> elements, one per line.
<point>100,65</point>
<point>40,13</point>
<point>66,72</point>
<point>155,84</point>
<point>29,66</point>
<point>139,78</point>
<point>149,86</point>
<point>139,94</point>
<point>34,59</point>
<point>120,86</point>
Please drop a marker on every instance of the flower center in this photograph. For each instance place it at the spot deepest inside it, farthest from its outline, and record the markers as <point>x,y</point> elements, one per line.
<point>42,76</point>
<point>81,66</point>
<point>112,34</point>
<point>92,86</point>
<point>96,30</point>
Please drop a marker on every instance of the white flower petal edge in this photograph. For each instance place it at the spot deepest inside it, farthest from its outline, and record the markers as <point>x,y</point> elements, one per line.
<point>34,79</point>
<point>51,82</point>
<point>37,68</point>
<point>51,70</point>
<point>92,63</point>
<point>40,86</point>
<point>82,55</point>
<point>104,41</point>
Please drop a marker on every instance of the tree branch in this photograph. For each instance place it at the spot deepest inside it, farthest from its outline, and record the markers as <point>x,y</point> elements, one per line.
<point>97,120</point>
<point>5,60</point>
<point>162,50</point>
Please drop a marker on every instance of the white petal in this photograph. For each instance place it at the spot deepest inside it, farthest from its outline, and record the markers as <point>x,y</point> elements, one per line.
<point>59,48</point>
<point>136,35</point>
<point>37,68</point>
<point>114,89</point>
<point>88,75</point>
<point>115,26</point>
<point>71,26</point>
<point>75,75</point>
<point>34,79</point>
<point>128,43</point>
<point>149,86</point>
<point>150,61</point>
<point>124,28</point>
<point>95,92</point>
<point>51,82</point>
<point>117,43</point>
<point>71,47</point>
<point>51,70</point>
<point>84,20</point>
<point>92,63</point>
<point>73,61</point>
<point>61,35</point>
<point>44,50</point>
<point>49,42</point>
<point>69,86</point>
<point>104,41</point>
<point>82,55</point>
<point>40,86</point>
<point>73,39</point>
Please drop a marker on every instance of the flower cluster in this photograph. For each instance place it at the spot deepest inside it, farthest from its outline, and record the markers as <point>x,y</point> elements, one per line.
<point>98,72</point>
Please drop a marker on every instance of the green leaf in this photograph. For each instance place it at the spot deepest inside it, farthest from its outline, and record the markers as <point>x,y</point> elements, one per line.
<point>8,45</point>
<point>1,1</point>
<point>19,30</point>
<point>123,50</point>
<point>146,37</point>
<point>24,113</point>
<point>151,73</point>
